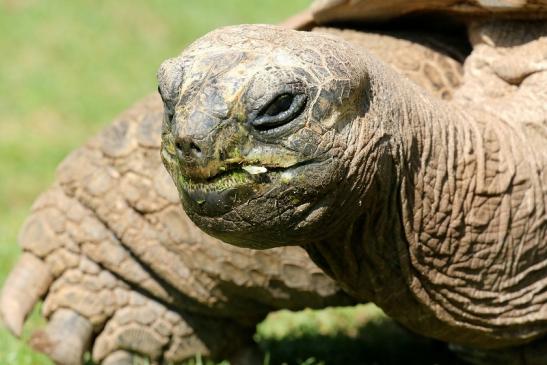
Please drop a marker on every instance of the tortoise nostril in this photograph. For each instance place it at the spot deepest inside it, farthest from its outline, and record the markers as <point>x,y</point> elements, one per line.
<point>194,147</point>
<point>179,147</point>
<point>187,148</point>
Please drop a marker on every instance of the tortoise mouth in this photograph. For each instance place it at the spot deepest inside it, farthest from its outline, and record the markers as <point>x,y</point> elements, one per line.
<point>227,189</point>
<point>221,181</point>
<point>236,175</point>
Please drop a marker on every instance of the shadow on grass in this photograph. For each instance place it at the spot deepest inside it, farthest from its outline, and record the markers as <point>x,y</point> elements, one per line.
<point>375,339</point>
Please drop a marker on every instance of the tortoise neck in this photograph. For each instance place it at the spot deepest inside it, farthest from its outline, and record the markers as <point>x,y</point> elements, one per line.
<point>462,176</point>
<point>392,252</point>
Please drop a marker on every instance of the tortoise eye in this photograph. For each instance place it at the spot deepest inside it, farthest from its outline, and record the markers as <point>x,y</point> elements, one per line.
<point>279,111</point>
<point>279,105</point>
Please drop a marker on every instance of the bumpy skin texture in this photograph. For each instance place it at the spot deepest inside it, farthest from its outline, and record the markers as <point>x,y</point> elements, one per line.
<point>434,210</point>
<point>126,274</point>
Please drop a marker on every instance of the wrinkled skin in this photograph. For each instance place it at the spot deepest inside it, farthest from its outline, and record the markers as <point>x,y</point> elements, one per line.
<point>436,211</point>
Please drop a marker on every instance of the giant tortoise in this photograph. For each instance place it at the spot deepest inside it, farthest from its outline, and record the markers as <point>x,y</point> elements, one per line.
<point>401,144</point>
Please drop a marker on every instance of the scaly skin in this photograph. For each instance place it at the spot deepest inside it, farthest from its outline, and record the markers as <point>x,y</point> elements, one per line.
<point>434,210</point>
<point>119,260</point>
<point>127,275</point>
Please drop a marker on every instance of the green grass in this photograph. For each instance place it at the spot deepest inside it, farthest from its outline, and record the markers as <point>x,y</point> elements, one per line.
<point>349,335</point>
<point>66,69</point>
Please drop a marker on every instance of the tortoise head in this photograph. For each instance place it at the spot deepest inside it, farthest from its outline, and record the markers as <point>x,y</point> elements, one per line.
<point>257,133</point>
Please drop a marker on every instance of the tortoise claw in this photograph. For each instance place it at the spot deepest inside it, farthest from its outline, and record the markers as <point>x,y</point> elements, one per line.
<point>65,339</point>
<point>26,283</point>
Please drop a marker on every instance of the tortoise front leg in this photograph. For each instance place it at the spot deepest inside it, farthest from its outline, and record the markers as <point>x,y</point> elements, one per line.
<point>89,309</point>
<point>93,308</point>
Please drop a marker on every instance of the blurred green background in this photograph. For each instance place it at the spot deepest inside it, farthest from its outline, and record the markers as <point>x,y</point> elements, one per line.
<point>66,69</point>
